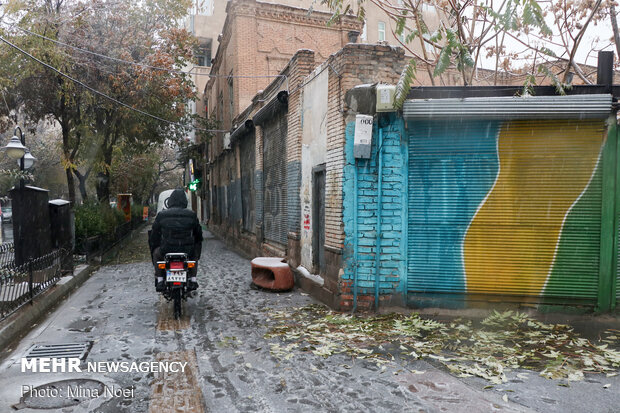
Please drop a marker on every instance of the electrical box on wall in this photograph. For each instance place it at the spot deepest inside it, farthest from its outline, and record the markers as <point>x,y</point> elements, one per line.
<point>363,136</point>
<point>385,98</point>
<point>227,140</point>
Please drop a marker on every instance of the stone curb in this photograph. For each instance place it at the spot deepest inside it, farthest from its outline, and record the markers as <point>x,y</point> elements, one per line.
<point>22,321</point>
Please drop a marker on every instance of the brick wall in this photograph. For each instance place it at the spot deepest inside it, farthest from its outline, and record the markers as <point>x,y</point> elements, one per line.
<point>362,207</point>
<point>353,65</point>
<point>259,39</point>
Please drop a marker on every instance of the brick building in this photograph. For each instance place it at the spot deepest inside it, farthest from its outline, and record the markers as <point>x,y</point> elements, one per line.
<point>276,184</point>
<point>284,182</point>
<point>258,40</point>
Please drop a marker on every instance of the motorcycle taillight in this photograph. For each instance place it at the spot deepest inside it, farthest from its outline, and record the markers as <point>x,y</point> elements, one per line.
<point>176,265</point>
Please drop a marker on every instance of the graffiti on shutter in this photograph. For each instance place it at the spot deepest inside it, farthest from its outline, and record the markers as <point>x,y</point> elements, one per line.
<point>274,165</point>
<point>511,208</point>
<point>248,164</point>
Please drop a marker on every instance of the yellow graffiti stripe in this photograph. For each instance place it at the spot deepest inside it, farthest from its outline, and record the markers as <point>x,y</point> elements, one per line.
<point>544,167</point>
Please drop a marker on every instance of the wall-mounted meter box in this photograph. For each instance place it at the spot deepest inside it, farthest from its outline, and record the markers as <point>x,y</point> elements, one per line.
<point>385,98</point>
<point>363,136</point>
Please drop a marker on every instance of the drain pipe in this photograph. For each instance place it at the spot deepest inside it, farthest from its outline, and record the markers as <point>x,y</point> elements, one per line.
<point>355,236</point>
<point>378,229</point>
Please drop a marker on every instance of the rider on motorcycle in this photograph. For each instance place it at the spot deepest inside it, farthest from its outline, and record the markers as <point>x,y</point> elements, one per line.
<point>176,229</point>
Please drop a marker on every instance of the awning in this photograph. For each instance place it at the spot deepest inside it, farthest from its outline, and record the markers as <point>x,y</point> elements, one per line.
<point>511,107</point>
<point>275,105</point>
<point>247,126</point>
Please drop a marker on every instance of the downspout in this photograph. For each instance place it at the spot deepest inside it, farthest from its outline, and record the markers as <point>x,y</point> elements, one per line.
<point>355,236</point>
<point>378,229</point>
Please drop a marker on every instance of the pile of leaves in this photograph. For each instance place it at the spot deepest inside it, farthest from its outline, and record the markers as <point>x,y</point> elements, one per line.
<point>501,342</point>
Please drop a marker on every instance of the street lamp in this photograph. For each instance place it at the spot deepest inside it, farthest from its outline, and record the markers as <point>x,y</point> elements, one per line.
<point>29,160</point>
<point>16,149</point>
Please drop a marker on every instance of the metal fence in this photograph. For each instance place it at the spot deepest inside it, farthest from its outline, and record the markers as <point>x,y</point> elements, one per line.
<point>98,245</point>
<point>7,255</point>
<point>20,284</point>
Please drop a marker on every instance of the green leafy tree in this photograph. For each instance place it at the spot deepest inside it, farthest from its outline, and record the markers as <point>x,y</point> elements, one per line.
<point>458,37</point>
<point>92,126</point>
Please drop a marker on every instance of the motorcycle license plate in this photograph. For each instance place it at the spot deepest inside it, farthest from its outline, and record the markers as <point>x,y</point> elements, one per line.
<point>176,276</point>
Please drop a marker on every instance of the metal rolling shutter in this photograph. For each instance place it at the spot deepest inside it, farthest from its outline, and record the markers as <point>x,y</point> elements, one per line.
<point>248,164</point>
<point>618,269</point>
<point>510,208</point>
<point>451,168</point>
<point>274,166</point>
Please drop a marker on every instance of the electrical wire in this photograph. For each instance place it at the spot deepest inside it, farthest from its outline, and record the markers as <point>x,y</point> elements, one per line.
<point>283,78</point>
<point>144,65</point>
<point>97,92</point>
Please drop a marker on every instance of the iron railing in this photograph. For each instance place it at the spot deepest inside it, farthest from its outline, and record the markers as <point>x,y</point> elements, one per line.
<point>100,244</point>
<point>20,284</point>
<point>7,255</point>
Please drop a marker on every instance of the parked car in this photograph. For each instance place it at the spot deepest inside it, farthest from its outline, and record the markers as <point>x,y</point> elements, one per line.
<point>7,214</point>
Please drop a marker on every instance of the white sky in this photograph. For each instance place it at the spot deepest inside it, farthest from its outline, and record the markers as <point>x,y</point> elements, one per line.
<point>597,37</point>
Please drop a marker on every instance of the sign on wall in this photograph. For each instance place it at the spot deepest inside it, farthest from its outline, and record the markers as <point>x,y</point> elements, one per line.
<point>363,136</point>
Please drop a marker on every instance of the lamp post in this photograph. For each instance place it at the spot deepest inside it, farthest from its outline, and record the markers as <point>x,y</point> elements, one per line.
<point>16,149</point>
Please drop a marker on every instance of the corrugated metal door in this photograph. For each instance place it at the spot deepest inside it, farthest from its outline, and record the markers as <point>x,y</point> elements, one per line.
<point>618,269</point>
<point>510,208</point>
<point>274,166</point>
<point>248,165</point>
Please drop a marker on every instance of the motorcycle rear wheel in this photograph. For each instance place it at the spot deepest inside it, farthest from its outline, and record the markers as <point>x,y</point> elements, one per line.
<point>176,296</point>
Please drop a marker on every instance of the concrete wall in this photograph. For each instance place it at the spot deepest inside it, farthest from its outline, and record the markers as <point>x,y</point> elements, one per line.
<point>313,152</point>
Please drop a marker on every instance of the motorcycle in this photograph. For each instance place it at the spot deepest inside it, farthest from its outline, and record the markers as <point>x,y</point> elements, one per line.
<point>177,275</point>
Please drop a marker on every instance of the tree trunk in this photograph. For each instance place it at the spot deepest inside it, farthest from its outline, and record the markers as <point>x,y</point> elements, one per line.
<point>103,187</point>
<point>614,25</point>
<point>82,183</point>
<point>68,170</point>
<point>82,187</point>
<point>71,186</point>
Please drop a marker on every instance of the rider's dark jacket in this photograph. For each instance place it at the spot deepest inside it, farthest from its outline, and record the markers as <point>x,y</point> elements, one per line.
<point>177,229</point>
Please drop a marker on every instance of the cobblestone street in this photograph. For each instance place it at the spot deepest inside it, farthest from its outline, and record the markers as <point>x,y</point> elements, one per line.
<point>229,366</point>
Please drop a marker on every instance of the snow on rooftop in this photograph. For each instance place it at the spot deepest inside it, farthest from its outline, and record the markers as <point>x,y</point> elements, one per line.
<point>36,188</point>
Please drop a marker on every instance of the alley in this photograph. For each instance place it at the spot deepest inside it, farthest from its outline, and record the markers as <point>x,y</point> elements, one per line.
<point>228,364</point>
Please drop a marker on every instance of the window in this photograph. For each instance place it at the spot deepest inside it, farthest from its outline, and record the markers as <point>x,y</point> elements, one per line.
<point>381,31</point>
<point>231,97</point>
<point>429,47</point>
<point>202,7</point>
<point>427,7</point>
<point>364,35</point>
<point>203,53</point>
<point>220,109</point>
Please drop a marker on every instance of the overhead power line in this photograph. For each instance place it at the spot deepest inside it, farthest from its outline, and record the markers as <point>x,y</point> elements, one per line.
<point>97,92</point>
<point>143,65</point>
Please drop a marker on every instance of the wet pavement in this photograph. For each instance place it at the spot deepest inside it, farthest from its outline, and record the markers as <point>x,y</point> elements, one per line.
<point>227,362</point>
<point>6,232</point>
